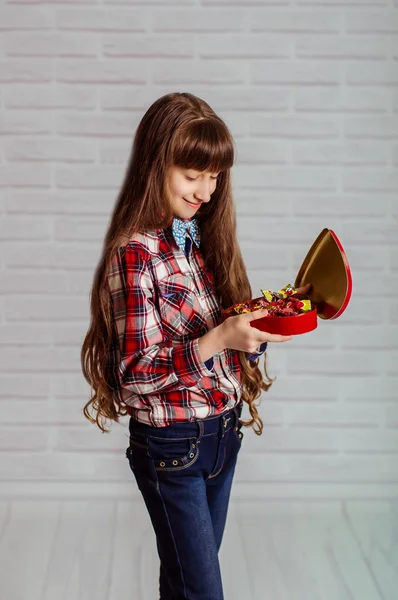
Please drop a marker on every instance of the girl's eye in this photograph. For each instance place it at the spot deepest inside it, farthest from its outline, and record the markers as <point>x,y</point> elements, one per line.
<point>194,178</point>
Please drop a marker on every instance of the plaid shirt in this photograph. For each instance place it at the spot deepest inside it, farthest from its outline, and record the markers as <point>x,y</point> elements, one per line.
<point>163,301</point>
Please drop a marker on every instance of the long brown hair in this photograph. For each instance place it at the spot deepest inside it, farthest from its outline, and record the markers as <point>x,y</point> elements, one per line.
<point>178,129</point>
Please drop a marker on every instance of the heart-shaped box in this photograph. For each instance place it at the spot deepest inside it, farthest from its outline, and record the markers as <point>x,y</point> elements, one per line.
<point>326,268</point>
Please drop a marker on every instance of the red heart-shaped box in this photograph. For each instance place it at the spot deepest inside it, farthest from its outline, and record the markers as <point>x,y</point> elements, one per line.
<point>326,268</point>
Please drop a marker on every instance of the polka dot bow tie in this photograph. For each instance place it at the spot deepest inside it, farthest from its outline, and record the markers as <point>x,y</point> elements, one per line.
<point>180,228</point>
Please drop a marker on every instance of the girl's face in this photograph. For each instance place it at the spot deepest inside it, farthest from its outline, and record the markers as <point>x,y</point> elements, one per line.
<point>189,189</point>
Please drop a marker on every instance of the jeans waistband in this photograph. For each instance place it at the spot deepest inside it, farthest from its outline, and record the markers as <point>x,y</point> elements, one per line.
<point>197,428</point>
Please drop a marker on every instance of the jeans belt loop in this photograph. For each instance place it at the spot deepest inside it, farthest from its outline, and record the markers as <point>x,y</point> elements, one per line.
<point>237,412</point>
<point>201,430</point>
<point>225,421</point>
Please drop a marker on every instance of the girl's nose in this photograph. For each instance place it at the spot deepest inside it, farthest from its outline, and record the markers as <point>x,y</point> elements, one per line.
<point>204,192</point>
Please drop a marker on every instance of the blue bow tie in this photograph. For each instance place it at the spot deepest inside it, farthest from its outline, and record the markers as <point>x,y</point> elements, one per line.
<point>179,229</point>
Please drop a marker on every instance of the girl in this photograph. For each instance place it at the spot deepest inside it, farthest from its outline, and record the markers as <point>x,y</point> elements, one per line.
<point>156,348</point>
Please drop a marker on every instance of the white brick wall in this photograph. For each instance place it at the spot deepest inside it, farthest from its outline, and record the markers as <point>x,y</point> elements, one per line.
<point>308,88</point>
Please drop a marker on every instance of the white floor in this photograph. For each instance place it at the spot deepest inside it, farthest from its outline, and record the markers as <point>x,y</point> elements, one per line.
<point>272,550</point>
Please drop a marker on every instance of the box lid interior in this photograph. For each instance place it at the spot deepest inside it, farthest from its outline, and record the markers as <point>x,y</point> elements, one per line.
<point>326,268</point>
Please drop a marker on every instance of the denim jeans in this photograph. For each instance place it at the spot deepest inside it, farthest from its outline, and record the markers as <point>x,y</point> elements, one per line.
<point>184,472</point>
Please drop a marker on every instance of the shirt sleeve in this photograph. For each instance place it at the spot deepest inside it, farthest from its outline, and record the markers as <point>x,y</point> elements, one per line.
<point>148,362</point>
<point>256,355</point>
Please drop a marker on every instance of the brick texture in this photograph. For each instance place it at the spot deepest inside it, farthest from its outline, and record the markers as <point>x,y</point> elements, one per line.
<point>308,89</point>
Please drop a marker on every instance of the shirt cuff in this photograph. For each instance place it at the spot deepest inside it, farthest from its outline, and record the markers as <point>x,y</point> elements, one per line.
<point>256,355</point>
<point>188,364</point>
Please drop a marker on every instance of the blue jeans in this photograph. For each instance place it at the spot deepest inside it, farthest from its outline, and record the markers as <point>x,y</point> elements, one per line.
<point>184,472</point>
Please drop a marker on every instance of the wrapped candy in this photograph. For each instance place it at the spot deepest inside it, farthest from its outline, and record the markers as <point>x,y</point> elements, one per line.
<point>284,303</point>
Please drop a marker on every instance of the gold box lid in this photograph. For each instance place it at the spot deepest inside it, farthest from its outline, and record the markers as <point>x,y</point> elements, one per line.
<point>326,268</point>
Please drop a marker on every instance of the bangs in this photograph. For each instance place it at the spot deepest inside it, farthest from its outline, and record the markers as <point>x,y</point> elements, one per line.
<point>203,144</point>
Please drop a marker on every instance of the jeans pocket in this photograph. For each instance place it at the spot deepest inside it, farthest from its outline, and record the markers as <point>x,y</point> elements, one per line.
<point>172,454</point>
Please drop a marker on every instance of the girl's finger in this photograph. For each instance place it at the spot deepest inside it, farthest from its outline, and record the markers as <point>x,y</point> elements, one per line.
<point>275,337</point>
<point>304,289</point>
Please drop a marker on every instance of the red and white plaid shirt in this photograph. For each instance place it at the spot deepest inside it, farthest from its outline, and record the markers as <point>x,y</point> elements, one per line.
<point>162,304</point>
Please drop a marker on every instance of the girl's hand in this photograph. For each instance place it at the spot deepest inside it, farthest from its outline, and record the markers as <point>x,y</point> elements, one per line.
<point>305,289</point>
<point>238,334</point>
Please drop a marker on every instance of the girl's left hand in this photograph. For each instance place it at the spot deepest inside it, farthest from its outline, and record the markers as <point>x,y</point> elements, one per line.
<point>304,289</point>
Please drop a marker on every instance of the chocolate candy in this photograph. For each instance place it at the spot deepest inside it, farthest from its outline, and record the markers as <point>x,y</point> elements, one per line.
<point>268,295</point>
<point>284,303</point>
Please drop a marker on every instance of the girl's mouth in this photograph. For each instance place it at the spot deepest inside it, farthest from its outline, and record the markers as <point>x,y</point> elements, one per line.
<point>192,204</point>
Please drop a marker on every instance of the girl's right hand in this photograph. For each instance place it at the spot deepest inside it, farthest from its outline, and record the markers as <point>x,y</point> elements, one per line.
<point>238,334</point>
